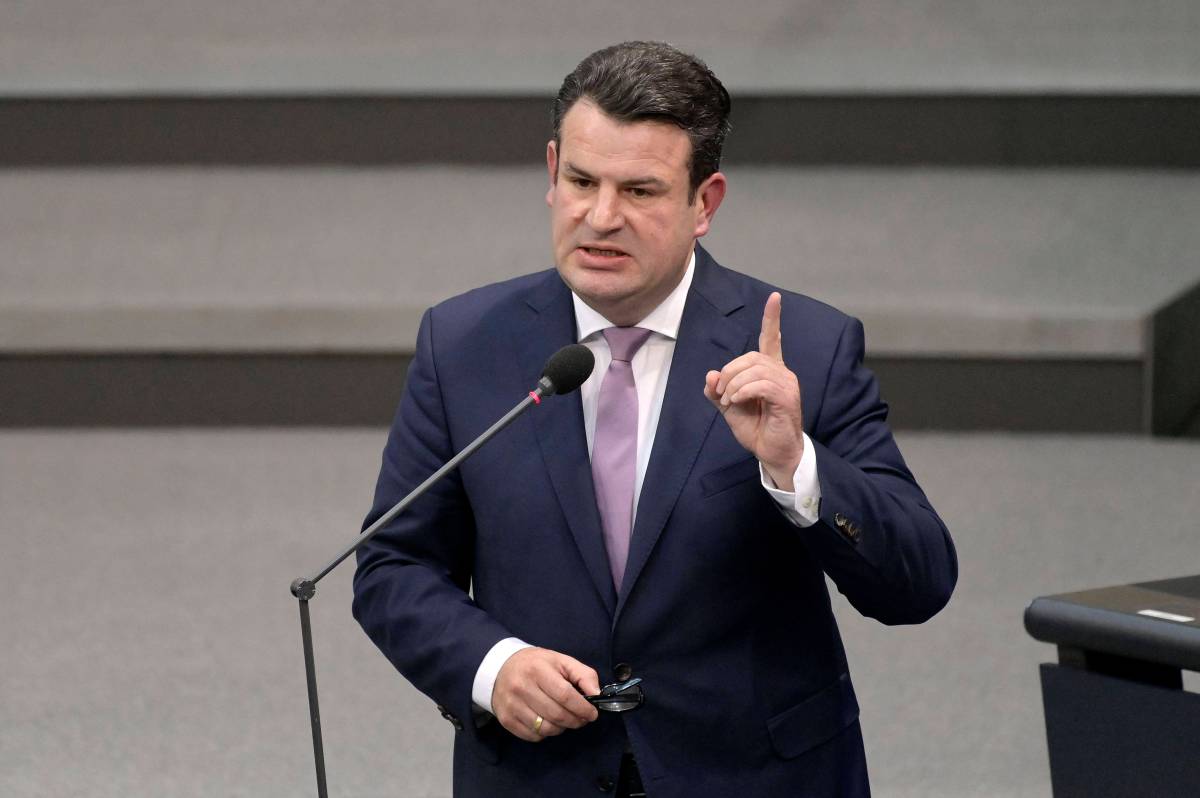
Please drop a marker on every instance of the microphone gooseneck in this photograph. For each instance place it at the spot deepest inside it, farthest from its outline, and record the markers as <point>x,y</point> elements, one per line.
<point>566,370</point>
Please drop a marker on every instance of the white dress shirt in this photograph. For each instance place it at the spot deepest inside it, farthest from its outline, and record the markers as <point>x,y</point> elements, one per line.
<point>651,365</point>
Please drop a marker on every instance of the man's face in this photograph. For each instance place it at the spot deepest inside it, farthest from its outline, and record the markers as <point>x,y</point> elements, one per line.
<point>622,225</point>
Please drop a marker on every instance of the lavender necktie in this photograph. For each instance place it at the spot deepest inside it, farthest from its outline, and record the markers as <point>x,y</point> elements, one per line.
<point>614,446</point>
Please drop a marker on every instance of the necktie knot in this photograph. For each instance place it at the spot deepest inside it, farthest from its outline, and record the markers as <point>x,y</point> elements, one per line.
<point>624,342</point>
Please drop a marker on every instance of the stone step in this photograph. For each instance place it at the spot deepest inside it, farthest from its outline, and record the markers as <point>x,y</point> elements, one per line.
<point>1026,83</point>
<point>898,129</point>
<point>937,262</point>
<point>943,266</point>
<point>58,47</point>
<point>147,574</point>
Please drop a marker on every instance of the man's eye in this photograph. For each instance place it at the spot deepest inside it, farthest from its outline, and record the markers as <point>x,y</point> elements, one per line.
<point>581,182</point>
<point>640,193</point>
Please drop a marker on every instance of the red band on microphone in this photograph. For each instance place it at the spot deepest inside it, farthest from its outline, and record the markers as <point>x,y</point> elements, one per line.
<point>537,400</point>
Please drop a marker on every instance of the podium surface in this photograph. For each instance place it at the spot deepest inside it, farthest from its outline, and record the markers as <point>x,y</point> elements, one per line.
<point>1118,722</point>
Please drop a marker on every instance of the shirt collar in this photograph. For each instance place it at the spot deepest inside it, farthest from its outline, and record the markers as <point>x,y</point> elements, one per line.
<point>663,320</point>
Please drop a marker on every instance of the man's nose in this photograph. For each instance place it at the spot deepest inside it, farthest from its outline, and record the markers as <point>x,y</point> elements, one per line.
<point>605,214</point>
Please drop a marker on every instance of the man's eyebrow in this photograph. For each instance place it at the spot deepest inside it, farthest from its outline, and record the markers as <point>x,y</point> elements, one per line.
<point>575,170</point>
<point>648,180</point>
<point>645,181</point>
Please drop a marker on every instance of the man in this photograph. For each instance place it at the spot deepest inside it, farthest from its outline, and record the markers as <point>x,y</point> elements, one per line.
<point>675,519</point>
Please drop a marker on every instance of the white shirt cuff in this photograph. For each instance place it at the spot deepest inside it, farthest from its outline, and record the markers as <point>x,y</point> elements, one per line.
<point>489,669</point>
<point>803,507</point>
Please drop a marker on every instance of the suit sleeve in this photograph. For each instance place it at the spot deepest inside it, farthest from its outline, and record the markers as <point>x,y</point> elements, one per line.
<point>412,581</point>
<point>878,537</point>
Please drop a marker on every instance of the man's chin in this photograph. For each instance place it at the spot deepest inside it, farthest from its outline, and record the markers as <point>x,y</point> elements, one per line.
<point>607,283</point>
<point>602,297</point>
<point>601,292</point>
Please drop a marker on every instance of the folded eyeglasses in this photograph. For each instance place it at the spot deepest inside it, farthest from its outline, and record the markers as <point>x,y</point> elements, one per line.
<point>620,697</point>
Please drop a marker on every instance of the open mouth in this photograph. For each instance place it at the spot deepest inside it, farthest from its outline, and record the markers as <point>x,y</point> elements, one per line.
<point>600,252</point>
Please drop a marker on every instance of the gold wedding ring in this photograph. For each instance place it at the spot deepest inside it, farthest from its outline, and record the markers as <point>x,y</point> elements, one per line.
<point>537,725</point>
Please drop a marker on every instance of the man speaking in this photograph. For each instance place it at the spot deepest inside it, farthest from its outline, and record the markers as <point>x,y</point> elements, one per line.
<point>673,522</point>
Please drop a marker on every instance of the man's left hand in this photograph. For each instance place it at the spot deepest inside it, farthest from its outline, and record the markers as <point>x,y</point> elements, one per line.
<point>759,397</point>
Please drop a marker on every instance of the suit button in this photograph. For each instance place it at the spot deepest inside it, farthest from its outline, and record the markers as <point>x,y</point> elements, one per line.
<point>839,520</point>
<point>605,784</point>
<point>623,671</point>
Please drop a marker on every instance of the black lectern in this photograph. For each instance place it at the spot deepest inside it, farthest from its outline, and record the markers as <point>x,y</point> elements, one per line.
<point>1118,722</point>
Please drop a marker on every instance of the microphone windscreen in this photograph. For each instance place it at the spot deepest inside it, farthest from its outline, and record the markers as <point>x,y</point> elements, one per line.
<point>569,367</point>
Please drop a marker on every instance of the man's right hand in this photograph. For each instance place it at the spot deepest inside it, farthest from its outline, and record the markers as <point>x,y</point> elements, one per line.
<point>537,682</point>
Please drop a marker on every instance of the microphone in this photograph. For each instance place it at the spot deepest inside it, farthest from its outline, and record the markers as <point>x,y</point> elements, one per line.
<point>565,371</point>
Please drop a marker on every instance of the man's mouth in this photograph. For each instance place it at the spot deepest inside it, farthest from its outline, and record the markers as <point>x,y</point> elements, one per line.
<point>603,253</point>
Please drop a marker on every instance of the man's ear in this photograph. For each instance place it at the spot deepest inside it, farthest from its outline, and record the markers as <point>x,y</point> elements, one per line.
<point>552,168</point>
<point>709,195</point>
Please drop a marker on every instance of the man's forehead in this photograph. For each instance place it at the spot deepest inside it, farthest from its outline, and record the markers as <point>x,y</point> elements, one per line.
<point>589,135</point>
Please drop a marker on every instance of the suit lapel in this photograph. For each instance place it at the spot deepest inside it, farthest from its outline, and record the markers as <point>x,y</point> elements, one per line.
<point>708,339</point>
<point>559,428</point>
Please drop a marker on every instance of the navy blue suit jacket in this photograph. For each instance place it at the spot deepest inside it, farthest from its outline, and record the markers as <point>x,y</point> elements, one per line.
<point>723,611</point>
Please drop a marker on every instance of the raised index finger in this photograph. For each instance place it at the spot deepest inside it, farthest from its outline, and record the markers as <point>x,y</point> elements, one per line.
<point>770,341</point>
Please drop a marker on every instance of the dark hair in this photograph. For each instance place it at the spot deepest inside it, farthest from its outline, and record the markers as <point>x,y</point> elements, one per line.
<point>636,81</point>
